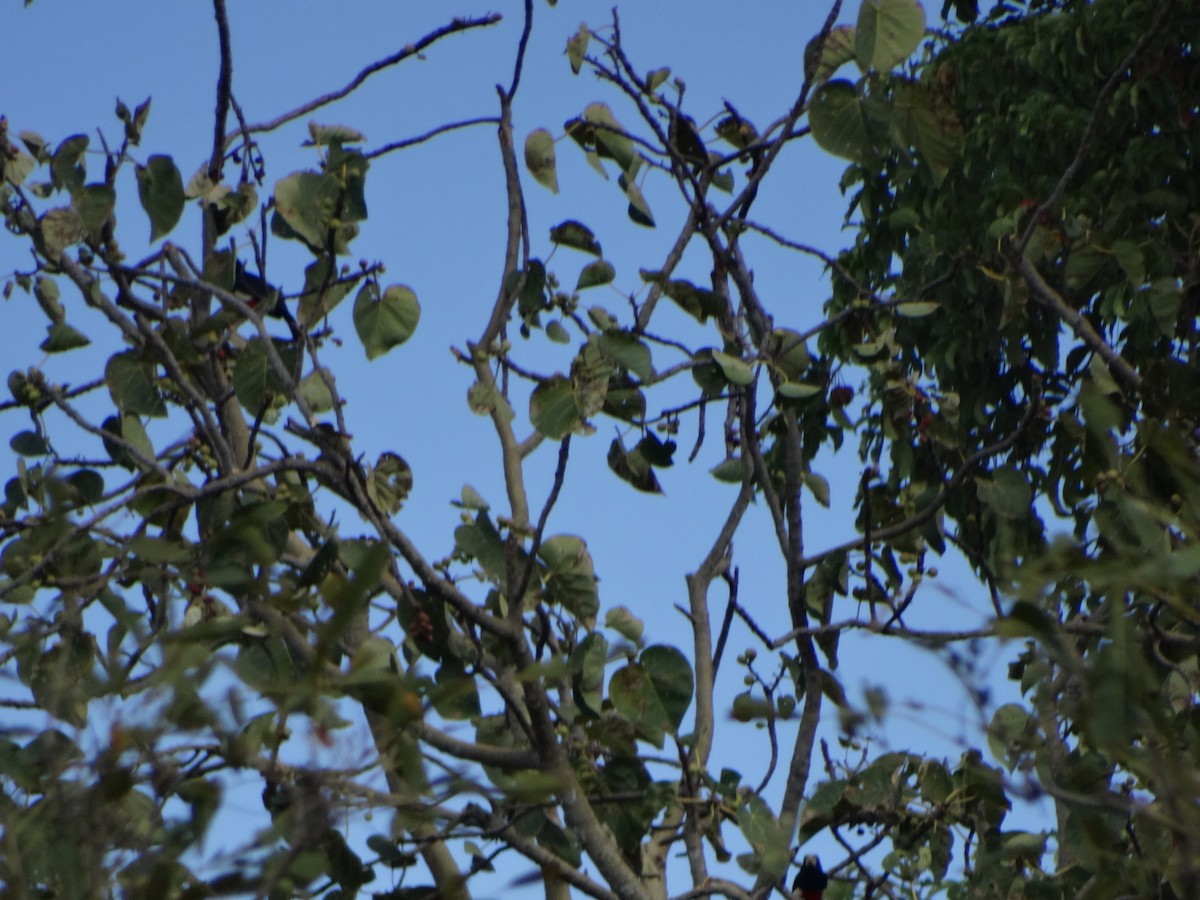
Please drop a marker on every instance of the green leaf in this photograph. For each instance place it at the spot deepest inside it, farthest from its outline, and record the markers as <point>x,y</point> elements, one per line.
<point>699,303</point>
<point>836,50</point>
<point>160,188</point>
<point>654,693</point>
<point>134,124</point>
<point>16,166</point>
<point>88,483</point>
<point>575,235</point>
<point>587,663</point>
<point>266,666</point>
<point>230,207</point>
<point>1024,846</point>
<point>160,551</point>
<point>736,371</point>
<point>639,209</point>
<point>935,782</point>
<point>305,202</point>
<point>484,399</point>
<point>577,45</point>
<point>597,273</point>
<point>68,166</point>
<point>570,579</point>
<point>611,140</point>
<point>1129,256</point>
<point>29,443</point>
<point>35,144</point>
<point>389,854</point>
<point>789,353</point>
<point>889,32</point>
<point>624,400</point>
<point>731,471</point>
<point>1164,298</point>
<point>95,204</point>
<point>625,623</point>
<point>798,390</point>
<point>590,372</point>
<point>59,229</point>
<point>456,695</point>
<point>323,291</point>
<point>627,351</point>
<point>316,392</point>
<point>767,837</point>
<point>925,118</point>
<point>132,386</point>
<point>633,467</point>
<point>539,158</point>
<point>532,299</point>
<point>553,409</point>
<point>656,77</point>
<point>870,349</point>
<point>1007,493</point>
<point>255,381</point>
<point>385,322</point>
<point>471,499</point>
<point>130,429</point>
<point>47,294</point>
<point>747,708</point>
<point>838,120</point>
<point>916,309</point>
<point>325,135</point>
<point>1008,734</point>
<point>60,677</point>
<point>389,482</point>
<point>63,337</point>
<point>819,486</point>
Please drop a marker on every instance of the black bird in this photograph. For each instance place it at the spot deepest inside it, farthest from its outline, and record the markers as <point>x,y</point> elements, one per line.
<point>811,880</point>
<point>264,297</point>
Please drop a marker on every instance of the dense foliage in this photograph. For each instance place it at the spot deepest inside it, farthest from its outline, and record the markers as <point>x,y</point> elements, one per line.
<point>1010,349</point>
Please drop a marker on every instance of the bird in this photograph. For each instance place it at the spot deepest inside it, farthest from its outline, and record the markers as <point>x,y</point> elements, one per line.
<point>811,880</point>
<point>264,297</point>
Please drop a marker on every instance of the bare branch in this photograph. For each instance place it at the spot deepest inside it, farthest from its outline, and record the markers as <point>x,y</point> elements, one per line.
<point>429,135</point>
<point>924,515</point>
<point>547,860</point>
<point>1075,319</point>
<point>456,25</point>
<point>519,65</point>
<point>224,91</point>
<point>560,471</point>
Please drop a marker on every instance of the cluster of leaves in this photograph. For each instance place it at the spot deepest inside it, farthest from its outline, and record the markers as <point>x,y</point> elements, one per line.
<point>1061,254</point>
<point>1019,309</point>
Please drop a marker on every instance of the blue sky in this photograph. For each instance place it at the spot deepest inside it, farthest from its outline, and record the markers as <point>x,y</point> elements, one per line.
<point>436,219</point>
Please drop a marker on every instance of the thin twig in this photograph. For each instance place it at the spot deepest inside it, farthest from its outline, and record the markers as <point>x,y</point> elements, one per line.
<point>428,135</point>
<point>453,27</point>
<point>519,65</point>
<point>560,471</point>
<point>924,515</point>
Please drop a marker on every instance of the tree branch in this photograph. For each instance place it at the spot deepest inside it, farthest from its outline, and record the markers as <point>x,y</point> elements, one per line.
<point>453,27</point>
<point>924,515</point>
<point>1076,321</point>
<point>429,135</point>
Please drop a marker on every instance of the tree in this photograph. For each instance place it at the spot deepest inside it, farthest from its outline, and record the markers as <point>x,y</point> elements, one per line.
<point>1011,340</point>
